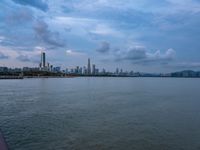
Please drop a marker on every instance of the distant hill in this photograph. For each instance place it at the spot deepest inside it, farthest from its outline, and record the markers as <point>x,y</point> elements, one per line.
<point>186,73</point>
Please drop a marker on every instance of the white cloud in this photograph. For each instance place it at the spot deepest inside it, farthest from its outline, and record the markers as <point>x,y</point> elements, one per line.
<point>105,30</point>
<point>70,52</point>
<point>74,21</point>
<point>184,6</point>
<point>168,55</point>
<point>2,38</point>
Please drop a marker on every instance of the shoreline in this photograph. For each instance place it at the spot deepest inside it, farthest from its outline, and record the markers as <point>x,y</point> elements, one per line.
<point>99,76</point>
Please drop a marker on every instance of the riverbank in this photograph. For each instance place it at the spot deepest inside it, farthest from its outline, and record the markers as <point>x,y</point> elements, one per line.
<point>11,77</point>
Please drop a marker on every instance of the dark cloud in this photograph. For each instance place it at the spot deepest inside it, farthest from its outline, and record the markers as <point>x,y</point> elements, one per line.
<point>44,34</point>
<point>67,8</point>
<point>18,16</point>
<point>16,23</point>
<point>39,4</point>
<point>28,58</point>
<point>104,47</point>
<point>140,55</point>
<point>68,29</point>
<point>3,56</point>
<point>136,53</point>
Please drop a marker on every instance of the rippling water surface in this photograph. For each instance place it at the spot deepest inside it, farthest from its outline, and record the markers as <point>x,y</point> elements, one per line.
<point>101,114</point>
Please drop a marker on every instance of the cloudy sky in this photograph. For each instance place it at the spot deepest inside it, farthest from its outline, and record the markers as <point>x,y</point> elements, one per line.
<point>140,35</point>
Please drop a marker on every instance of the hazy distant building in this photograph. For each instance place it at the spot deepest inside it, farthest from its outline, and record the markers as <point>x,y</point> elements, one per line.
<point>131,73</point>
<point>77,70</point>
<point>80,71</point>
<point>89,67</point>
<point>66,71</point>
<point>84,70</point>
<point>117,71</point>
<point>93,69</point>
<point>121,71</point>
<point>103,71</point>
<point>3,69</point>
<point>57,69</point>
<point>96,71</point>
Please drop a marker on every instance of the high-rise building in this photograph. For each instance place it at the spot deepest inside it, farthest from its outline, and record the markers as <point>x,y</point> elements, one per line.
<point>80,70</point>
<point>48,66</point>
<point>66,71</point>
<point>51,68</point>
<point>43,60</point>
<point>93,69</point>
<point>77,70</point>
<point>89,67</point>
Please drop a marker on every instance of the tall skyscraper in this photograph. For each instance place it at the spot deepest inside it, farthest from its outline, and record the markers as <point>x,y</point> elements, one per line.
<point>89,67</point>
<point>43,60</point>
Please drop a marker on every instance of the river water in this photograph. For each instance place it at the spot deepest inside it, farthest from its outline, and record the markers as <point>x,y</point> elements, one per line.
<point>101,113</point>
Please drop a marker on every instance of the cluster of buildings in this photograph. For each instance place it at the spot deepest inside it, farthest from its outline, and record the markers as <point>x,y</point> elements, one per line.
<point>92,70</point>
<point>45,66</point>
<point>88,70</point>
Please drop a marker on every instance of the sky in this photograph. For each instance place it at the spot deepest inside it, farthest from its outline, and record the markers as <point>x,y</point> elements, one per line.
<point>139,35</point>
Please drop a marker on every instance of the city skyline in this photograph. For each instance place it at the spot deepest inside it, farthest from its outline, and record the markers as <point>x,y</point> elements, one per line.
<point>134,35</point>
<point>89,69</point>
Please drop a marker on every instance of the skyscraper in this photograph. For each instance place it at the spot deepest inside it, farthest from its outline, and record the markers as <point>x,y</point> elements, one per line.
<point>43,60</point>
<point>89,67</point>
